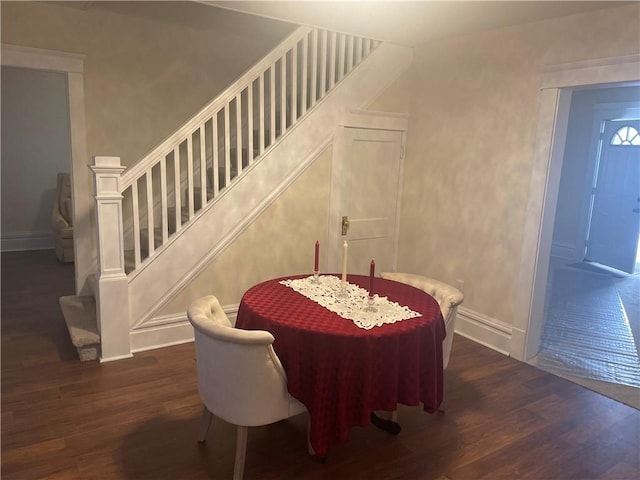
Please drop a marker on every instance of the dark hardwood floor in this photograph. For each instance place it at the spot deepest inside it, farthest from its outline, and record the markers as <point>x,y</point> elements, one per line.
<point>138,418</point>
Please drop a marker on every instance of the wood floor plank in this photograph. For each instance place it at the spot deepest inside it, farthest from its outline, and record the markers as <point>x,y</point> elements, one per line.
<point>138,418</point>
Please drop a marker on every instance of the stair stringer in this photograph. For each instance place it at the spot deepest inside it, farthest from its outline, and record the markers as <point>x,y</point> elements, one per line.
<point>199,243</point>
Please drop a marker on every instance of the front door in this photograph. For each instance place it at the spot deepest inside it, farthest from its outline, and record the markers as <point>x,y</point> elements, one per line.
<point>369,186</point>
<point>615,218</point>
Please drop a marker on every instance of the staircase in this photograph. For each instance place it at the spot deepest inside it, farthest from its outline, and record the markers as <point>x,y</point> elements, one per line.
<point>164,219</point>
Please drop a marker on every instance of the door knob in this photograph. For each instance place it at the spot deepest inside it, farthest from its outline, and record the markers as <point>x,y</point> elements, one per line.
<point>345,225</point>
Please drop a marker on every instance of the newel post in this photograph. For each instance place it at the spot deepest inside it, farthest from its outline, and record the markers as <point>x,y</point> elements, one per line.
<point>113,288</point>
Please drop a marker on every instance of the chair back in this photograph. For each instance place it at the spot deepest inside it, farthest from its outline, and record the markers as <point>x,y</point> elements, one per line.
<point>447,296</point>
<point>240,377</point>
<point>63,194</point>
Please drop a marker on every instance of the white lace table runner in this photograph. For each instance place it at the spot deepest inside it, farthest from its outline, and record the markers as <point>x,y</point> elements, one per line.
<point>350,302</point>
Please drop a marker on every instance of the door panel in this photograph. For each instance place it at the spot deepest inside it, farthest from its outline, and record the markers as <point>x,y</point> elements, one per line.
<point>369,197</point>
<point>615,218</point>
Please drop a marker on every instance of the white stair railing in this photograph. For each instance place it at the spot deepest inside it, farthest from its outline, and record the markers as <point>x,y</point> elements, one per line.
<point>189,170</point>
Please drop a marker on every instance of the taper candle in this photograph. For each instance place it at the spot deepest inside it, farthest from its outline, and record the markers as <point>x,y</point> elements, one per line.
<point>372,272</point>
<point>315,265</point>
<point>345,247</point>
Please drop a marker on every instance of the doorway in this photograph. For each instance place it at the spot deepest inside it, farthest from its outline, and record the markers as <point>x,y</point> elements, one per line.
<point>590,331</point>
<point>35,148</point>
<point>72,66</point>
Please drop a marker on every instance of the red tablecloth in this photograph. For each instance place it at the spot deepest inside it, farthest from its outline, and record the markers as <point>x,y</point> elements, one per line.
<point>341,372</point>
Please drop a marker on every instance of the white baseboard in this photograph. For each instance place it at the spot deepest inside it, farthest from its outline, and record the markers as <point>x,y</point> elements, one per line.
<point>484,330</point>
<point>169,330</point>
<point>150,338</point>
<point>175,329</point>
<point>566,252</point>
<point>19,241</point>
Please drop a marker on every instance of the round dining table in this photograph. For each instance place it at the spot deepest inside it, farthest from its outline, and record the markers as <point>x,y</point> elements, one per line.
<point>343,373</point>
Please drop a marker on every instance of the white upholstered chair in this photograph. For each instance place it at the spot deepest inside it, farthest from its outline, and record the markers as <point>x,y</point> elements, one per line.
<point>62,219</point>
<point>448,298</point>
<point>240,378</point>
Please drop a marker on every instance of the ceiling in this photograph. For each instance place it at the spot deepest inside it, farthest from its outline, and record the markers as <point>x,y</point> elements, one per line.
<point>412,22</point>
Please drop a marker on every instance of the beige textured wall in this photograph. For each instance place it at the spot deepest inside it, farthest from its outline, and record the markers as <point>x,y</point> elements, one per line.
<point>471,143</point>
<point>280,242</point>
<point>396,98</point>
<point>144,75</point>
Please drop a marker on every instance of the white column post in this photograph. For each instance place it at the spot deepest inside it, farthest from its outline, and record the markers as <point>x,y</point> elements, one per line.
<point>113,288</point>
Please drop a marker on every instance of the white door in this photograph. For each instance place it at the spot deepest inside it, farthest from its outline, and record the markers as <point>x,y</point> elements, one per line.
<point>369,198</point>
<point>615,218</point>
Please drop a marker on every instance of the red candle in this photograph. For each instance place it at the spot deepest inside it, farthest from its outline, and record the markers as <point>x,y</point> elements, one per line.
<point>315,265</point>
<point>372,271</point>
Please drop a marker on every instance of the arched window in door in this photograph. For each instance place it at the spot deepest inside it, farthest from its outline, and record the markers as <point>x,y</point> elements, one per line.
<point>626,135</point>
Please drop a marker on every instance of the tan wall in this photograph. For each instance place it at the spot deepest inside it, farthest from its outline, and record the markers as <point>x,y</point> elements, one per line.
<point>396,98</point>
<point>144,76</point>
<point>280,242</point>
<point>470,147</point>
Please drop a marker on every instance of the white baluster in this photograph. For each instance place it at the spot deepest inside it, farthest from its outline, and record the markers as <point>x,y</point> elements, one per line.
<point>163,200</point>
<point>148,178</point>
<point>314,67</point>
<point>272,103</point>
<point>341,57</point>
<point>294,84</point>
<point>283,94</point>
<point>332,60</point>
<point>303,75</point>
<point>227,147</point>
<point>136,224</point>
<point>203,168</point>
<point>261,122</point>
<point>250,124</point>
<point>190,194</point>
<point>367,46</point>
<point>239,132</point>
<point>323,63</point>
<point>349,53</point>
<point>177,187</point>
<point>215,163</point>
<point>358,52</point>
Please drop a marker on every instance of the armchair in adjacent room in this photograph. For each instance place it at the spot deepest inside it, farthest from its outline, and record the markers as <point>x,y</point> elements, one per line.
<point>63,219</point>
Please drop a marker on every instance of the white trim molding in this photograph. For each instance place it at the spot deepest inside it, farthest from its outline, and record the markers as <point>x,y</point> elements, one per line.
<point>484,330</point>
<point>19,241</point>
<point>592,72</point>
<point>356,118</point>
<point>168,330</point>
<point>566,251</point>
<point>41,59</point>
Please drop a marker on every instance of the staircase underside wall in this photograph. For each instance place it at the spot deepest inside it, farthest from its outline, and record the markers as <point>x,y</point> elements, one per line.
<point>156,283</point>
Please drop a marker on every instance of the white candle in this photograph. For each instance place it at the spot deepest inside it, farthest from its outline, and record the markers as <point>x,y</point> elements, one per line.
<point>345,246</point>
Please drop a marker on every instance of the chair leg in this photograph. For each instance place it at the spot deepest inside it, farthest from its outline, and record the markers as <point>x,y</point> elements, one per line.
<point>204,425</point>
<point>241,452</point>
